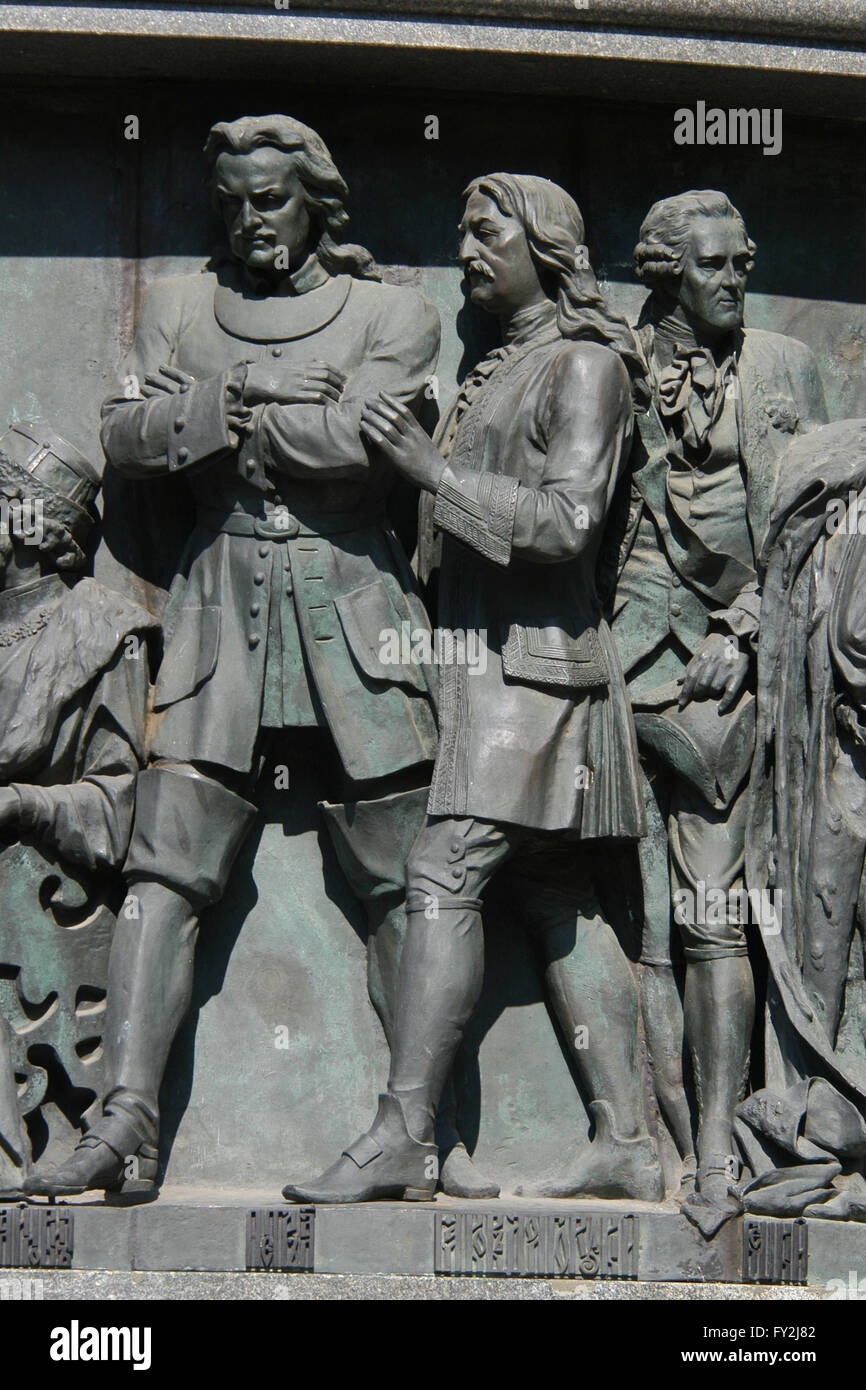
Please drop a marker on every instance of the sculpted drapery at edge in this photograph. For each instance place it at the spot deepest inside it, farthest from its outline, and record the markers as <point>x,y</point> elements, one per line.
<point>804,1131</point>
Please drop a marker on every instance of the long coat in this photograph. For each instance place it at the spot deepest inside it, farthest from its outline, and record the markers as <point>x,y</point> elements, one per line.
<point>542,735</point>
<point>780,395</point>
<point>292,574</point>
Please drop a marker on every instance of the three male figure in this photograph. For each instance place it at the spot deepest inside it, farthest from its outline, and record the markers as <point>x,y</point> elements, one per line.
<point>726,402</point>
<point>215,405</point>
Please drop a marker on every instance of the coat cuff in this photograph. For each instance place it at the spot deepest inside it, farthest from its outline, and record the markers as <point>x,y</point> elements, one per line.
<point>742,619</point>
<point>197,422</point>
<point>478,508</point>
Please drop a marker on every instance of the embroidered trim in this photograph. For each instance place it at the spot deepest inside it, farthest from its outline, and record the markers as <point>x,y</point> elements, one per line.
<point>526,657</point>
<point>449,786</point>
<point>503,504</point>
<point>486,523</point>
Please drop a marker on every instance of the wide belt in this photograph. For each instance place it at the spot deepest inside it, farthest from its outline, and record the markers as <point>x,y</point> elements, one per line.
<point>281,525</point>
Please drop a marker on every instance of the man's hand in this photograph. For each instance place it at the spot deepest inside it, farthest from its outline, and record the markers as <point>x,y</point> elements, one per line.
<point>393,428</point>
<point>314,384</point>
<point>10,807</point>
<point>166,381</point>
<point>716,671</point>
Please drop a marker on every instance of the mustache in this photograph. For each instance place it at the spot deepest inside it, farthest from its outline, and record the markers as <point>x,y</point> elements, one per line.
<point>478,268</point>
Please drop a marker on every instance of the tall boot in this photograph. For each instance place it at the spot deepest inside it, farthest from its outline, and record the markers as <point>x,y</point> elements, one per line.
<point>187,832</point>
<point>662,1013</point>
<point>706,846</point>
<point>441,973</point>
<point>372,840</point>
<point>719,1014</point>
<point>593,993</point>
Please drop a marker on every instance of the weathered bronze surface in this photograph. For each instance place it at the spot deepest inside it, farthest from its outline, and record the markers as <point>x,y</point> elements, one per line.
<point>604,727</point>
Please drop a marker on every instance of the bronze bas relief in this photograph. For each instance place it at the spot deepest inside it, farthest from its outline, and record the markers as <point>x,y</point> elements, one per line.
<point>633,517</point>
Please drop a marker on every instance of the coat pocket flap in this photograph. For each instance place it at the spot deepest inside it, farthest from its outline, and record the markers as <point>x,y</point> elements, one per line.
<point>378,639</point>
<point>190,656</point>
<point>552,656</point>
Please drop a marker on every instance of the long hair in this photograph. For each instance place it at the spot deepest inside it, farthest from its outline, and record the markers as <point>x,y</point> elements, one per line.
<point>664,241</point>
<point>555,236</point>
<point>323,186</point>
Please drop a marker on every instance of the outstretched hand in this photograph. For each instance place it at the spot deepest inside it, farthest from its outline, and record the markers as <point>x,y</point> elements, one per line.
<point>392,427</point>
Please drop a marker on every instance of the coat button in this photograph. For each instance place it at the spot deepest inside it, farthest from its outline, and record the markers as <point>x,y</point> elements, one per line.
<point>251,465</point>
<point>255,610</point>
<point>179,422</point>
<point>276,352</point>
<point>254,640</point>
<point>183,454</point>
<point>456,873</point>
<point>675,581</point>
<point>183,389</point>
<point>258,578</point>
<point>675,610</point>
<point>264,552</point>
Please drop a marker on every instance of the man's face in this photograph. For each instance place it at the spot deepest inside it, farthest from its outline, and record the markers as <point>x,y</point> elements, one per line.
<point>495,257</point>
<point>264,208</point>
<point>713,285</point>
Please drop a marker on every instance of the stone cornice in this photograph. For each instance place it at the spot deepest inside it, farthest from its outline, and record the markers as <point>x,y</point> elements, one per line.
<point>807,54</point>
